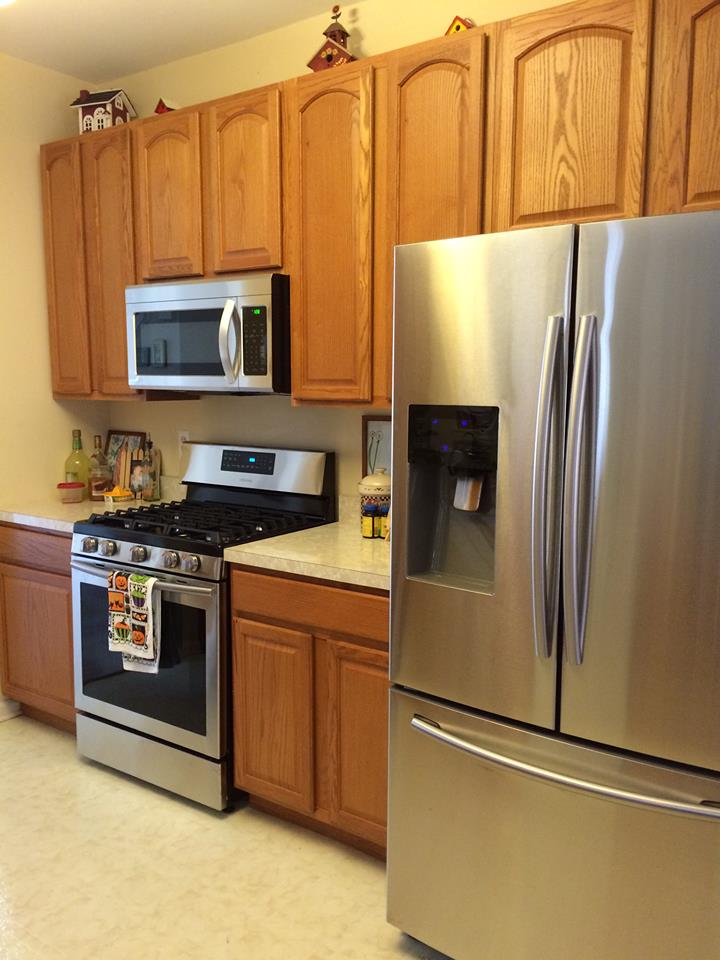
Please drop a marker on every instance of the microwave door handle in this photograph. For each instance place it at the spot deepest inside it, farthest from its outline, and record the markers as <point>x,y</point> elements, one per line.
<point>229,316</point>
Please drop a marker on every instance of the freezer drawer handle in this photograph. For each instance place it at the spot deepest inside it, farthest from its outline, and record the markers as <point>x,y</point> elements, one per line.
<point>544,614</point>
<point>700,809</point>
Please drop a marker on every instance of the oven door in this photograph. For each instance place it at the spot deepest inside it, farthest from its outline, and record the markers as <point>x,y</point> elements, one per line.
<point>184,702</point>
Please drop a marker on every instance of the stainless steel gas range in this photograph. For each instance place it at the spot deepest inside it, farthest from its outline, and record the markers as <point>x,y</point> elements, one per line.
<point>171,728</point>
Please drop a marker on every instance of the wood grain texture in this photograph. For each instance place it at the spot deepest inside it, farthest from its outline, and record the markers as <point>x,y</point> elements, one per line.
<point>272,716</point>
<point>315,606</point>
<point>684,138</point>
<point>571,103</point>
<point>65,268</point>
<point>241,171</point>
<point>168,195</point>
<point>36,640</point>
<point>331,185</point>
<point>109,253</point>
<point>39,551</point>
<point>357,729</point>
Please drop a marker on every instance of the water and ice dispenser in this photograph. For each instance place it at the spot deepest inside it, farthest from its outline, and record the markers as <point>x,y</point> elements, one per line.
<point>452,454</point>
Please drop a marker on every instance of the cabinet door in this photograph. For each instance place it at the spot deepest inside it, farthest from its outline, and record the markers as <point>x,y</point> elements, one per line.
<point>65,266</point>
<point>357,717</point>
<point>272,717</point>
<point>36,639</point>
<point>169,204</point>
<point>684,152</point>
<point>330,197</point>
<point>110,257</point>
<point>242,177</point>
<point>571,108</point>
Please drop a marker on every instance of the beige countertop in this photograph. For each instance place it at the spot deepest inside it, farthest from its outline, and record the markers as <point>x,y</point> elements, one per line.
<point>47,513</point>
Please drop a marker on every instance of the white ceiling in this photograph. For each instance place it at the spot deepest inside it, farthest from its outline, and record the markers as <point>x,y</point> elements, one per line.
<point>98,40</point>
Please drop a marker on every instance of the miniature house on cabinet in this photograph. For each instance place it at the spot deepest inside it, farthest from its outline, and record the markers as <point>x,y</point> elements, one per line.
<point>106,108</point>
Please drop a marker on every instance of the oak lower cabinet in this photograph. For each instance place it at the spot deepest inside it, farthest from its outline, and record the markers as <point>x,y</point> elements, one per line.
<point>36,652</point>
<point>684,152</point>
<point>568,129</point>
<point>310,700</point>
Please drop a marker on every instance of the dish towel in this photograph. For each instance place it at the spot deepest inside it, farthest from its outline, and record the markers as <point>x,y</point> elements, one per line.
<point>134,620</point>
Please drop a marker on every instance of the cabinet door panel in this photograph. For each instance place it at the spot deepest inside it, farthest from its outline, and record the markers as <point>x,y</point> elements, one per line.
<point>65,267</point>
<point>331,201</point>
<point>243,216</point>
<point>169,204</point>
<point>36,639</point>
<point>273,703</point>
<point>571,104</point>
<point>357,720</point>
<point>110,257</point>
<point>684,159</point>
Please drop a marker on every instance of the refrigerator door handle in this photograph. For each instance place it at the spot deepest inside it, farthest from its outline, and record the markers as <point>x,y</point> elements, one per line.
<point>543,620</point>
<point>605,792</point>
<point>581,434</point>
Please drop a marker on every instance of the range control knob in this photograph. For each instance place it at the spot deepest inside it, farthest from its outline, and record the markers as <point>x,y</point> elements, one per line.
<point>170,558</point>
<point>138,554</point>
<point>191,562</point>
<point>90,545</point>
<point>108,548</point>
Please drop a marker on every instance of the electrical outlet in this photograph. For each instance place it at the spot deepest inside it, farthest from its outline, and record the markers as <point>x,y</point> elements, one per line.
<point>183,436</point>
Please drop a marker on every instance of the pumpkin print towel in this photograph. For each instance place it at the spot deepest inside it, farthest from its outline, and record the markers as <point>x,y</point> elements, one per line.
<point>134,620</point>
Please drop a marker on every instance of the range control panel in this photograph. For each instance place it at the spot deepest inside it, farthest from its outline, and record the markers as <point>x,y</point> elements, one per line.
<point>254,341</point>
<point>248,461</point>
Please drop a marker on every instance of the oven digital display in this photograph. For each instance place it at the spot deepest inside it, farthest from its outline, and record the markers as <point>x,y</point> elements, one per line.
<point>248,461</point>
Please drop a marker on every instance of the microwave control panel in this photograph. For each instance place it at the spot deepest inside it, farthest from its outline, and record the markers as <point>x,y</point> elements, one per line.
<point>248,461</point>
<point>254,341</point>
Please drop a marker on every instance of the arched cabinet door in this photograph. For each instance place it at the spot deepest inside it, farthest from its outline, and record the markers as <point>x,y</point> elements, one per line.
<point>684,152</point>
<point>169,196</point>
<point>242,181</point>
<point>571,104</point>
<point>330,196</point>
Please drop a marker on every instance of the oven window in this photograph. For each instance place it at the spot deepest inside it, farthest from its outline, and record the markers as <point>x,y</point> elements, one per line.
<point>177,693</point>
<point>178,342</point>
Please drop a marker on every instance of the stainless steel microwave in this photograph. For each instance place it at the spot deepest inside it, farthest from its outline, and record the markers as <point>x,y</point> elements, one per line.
<point>226,336</point>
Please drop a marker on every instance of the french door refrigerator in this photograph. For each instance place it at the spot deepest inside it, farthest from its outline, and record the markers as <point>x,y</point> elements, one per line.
<point>555,597</point>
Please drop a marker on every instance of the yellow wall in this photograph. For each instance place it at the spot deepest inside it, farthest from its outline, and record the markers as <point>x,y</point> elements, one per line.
<point>35,431</point>
<point>376,26</point>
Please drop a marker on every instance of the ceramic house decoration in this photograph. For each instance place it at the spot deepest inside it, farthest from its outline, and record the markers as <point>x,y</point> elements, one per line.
<point>333,52</point>
<point>458,24</point>
<point>106,108</point>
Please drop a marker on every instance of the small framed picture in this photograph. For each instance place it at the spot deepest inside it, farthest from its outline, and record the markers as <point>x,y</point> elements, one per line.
<point>122,447</point>
<point>376,443</point>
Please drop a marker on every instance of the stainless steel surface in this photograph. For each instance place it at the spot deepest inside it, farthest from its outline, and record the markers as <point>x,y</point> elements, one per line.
<point>89,545</point>
<point>485,862</point>
<point>650,678</point>
<point>191,563</point>
<point>170,559</point>
<point>248,285</point>
<point>579,486</point>
<point>229,318</point>
<point>211,568</point>
<point>562,780</point>
<point>185,774</point>
<point>138,554</point>
<point>108,548</point>
<point>295,471</point>
<point>211,600</point>
<point>468,333</point>
<point>545,535</point>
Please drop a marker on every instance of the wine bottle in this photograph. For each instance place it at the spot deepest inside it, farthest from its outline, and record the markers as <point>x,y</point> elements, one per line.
<point>100,476</point>
<point>77,465</point>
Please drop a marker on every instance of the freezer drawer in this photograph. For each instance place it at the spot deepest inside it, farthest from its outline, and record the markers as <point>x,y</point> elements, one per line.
<point>485,863</point>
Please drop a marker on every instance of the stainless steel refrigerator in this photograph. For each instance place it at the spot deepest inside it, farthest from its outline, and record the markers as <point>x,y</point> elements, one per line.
<point>555,599</point>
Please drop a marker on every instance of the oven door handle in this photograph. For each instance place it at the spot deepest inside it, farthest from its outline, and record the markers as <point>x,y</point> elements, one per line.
<point>160,585</point>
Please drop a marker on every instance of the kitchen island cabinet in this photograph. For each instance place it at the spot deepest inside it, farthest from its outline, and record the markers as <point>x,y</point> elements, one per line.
<point>36,652</point>
<point>310,687</point>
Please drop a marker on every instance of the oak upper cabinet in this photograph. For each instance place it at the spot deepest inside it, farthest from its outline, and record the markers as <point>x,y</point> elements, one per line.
<point>684,148</point>
<point>568,128</point>
<point>168,196</point>
<point>241,168</point>
<point>109,254</point>
<point>273,733</point>
<point>330,202</point>
<point>65,268</point>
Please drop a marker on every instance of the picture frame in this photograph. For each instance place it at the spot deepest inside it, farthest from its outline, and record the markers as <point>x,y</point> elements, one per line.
<point>376,443</point>
<point>118,441</point>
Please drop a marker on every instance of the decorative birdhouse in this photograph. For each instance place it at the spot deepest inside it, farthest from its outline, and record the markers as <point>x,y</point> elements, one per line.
<point>165,106</point>
<point>333,52</point>
<point>106,108</point>
<point>458,24</point>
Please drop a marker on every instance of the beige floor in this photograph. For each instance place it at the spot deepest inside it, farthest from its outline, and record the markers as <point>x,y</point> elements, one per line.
<point>96,865</point>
